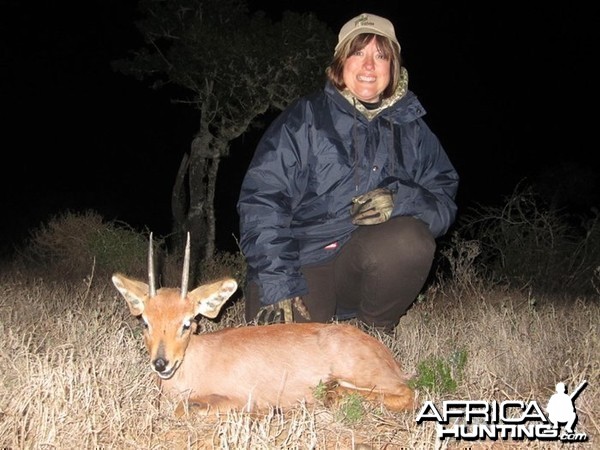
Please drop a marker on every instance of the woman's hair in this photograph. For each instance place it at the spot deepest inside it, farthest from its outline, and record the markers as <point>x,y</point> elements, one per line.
<point>335,71</point>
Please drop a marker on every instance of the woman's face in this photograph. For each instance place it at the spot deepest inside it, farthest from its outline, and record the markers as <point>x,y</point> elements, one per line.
<point>367,73</point>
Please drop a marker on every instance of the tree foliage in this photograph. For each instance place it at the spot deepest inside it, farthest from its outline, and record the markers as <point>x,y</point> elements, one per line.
<point>231,67</point>
<point>527,242</point>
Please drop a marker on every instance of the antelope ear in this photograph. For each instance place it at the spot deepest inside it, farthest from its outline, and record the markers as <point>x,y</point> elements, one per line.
<point>210,298</point>
<point>134,292</point>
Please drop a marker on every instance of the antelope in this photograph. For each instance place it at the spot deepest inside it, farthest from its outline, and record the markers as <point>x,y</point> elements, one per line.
<point>252,368</point>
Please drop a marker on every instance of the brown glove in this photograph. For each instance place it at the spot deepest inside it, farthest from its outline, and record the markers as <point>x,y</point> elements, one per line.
<point>282,311</point>
<point>373,207</point>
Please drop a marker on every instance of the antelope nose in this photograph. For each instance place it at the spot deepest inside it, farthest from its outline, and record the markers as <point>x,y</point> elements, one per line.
<point>160,364</point>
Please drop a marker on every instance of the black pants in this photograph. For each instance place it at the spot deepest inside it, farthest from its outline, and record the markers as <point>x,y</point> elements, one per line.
<point>375,277</point>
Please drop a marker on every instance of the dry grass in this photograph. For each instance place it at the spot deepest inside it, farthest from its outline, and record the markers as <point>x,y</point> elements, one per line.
<point>75,373</point>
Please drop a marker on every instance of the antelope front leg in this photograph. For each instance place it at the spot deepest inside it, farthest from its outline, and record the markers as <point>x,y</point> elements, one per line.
<point>402,398</point>
<point>207,405</point>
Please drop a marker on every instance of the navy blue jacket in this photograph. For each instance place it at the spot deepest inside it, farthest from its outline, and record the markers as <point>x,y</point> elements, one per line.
<point>313,159</point>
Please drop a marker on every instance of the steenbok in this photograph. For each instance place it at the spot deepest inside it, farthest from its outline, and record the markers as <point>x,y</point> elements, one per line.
<point>253,368</point>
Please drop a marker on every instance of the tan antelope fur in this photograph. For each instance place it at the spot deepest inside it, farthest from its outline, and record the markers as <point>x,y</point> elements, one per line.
<point>254,367</point>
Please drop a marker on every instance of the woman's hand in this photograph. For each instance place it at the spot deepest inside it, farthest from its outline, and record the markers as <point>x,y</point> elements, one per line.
<point>374,207</point>
<point>282,311</point>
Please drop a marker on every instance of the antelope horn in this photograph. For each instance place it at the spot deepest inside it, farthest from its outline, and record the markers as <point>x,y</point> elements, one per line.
<point>151,280</point>
<point>185,278</point>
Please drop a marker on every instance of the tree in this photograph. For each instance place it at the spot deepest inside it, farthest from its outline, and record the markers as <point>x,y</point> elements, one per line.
<point>233,67</point>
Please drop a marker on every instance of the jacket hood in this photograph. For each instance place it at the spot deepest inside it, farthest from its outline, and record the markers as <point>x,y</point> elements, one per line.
<point>402,107</point>
<point>399,93</point>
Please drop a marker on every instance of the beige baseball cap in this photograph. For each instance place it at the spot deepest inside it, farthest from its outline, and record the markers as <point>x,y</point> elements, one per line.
<point>367,23</point>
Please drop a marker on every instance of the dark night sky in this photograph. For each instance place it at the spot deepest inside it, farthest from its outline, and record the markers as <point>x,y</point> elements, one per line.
<point>510,91</point>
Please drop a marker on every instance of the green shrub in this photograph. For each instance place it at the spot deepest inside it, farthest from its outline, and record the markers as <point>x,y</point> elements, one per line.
<point>440,376</point>
<point>225,264</point>
<point>222,264</point>
<point>527,242</point>
<point>351,409</point>
<point>320,391</point>
<point>75,245</point>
